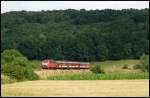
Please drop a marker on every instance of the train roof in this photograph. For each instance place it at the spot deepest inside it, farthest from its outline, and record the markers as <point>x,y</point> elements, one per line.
<point>71,62</point>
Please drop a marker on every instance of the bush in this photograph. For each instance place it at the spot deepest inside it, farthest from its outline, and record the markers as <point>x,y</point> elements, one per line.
<point>137,66</point>
<point>17,66</point>
<point>144,63</point>
<point>35,64</point>
<point>10,55</point>
<point>96,69</point>
<point>125,66</point>
<point>29,74</point>
<point>14,71</point>
<point>22,61</point>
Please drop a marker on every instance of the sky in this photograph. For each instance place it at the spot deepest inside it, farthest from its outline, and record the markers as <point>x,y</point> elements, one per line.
<point>7,6</point>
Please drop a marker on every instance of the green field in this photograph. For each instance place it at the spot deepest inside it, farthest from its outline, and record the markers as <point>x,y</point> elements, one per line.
<point>107,76</point>
<point>117,63</point>
<point>113,71</point>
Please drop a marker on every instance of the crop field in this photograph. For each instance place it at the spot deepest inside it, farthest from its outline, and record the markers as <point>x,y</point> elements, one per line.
<point>107,76</point>
<point>44,73</point>
<point>104,88</point>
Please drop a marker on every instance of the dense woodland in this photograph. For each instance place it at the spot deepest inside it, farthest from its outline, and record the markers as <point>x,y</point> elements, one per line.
<point>80,35</point>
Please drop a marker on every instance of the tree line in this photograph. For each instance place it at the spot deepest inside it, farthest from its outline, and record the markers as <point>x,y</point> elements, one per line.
<point>80,35</point>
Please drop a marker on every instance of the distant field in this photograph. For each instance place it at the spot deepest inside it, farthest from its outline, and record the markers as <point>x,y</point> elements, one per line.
<point>105,88</point>
<point>108,63</point>
<point>116,66</point>
<point>107,76</point>
<point>109,67</point>
<point>43,74</point>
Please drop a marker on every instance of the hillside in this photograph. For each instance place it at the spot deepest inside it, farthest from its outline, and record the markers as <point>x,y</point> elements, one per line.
<point>77,34</point>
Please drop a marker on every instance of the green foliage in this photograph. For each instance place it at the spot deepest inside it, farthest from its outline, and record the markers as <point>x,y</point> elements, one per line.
<point>96,69</point>
<point>144,63</point>
<point>35,64</point>
<point>22,61</point>
<point>16,66</point>
<point>77,34</point>
<point>137,66</point>
<point>106,76</point>
<point>10,55</point>
<point>29,74</point>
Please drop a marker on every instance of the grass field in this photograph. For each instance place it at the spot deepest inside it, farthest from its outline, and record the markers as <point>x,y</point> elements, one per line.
<point>105,88</point>
<point>107,76</point>
<point>116,66</point>
<point>6,79</point>
<point>108,63</point>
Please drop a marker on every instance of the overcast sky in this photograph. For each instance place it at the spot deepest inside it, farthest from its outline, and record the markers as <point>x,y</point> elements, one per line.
<point>7,6</point>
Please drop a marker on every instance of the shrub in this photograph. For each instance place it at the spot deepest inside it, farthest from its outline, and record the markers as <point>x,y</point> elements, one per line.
<point>137,66</point>
<point>35,64</point>
<point>10,55</point>
<point>144,63</point>
<point>14,71</point>
<point>29,74</point>
<point>125,66</point>
<point>17,66</point>
<point>22,61</point>
<point>96,69</point>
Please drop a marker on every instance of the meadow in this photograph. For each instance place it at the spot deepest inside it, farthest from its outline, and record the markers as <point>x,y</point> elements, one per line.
<point>107,76</point>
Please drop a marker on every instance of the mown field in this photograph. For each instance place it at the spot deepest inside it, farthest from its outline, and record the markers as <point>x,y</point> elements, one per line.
<point>90,88</point>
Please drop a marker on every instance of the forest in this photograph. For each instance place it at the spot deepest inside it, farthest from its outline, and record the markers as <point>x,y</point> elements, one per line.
<point>77,35</point>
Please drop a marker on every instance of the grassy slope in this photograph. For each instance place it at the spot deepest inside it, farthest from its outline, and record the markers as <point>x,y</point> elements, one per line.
<point>116,66</point>
<point>108,63</point>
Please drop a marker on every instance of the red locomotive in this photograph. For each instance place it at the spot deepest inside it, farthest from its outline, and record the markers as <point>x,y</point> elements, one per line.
<point>51,64</point>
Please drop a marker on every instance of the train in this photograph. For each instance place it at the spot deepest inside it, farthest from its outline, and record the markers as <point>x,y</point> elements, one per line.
<point>52,64</point>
